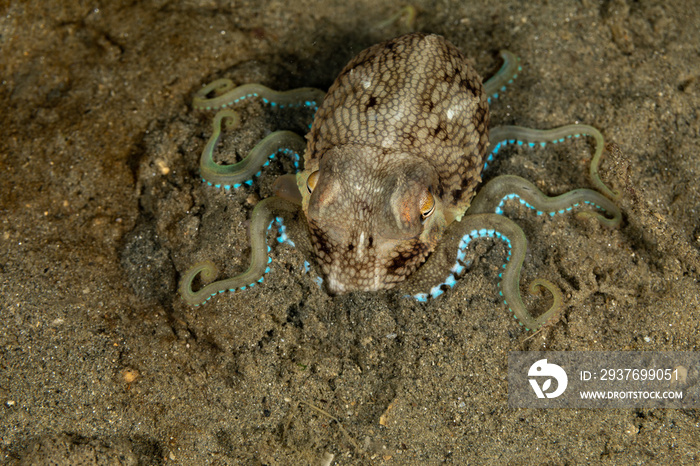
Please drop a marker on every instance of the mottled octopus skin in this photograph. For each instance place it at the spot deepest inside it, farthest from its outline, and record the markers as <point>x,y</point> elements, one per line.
<point>404,116</point>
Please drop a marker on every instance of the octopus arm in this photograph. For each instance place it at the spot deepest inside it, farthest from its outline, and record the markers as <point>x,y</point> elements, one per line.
<point>260,222</point>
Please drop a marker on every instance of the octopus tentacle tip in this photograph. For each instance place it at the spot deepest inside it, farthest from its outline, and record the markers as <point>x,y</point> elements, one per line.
<point>557,306</point>
<point>612,222</point>
<point>208,271</point>
<point>504,77</point>
<point>283,142</point>
<point>265,212</point>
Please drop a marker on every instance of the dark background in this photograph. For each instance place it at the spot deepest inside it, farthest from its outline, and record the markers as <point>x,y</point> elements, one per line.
<point>101,209</point>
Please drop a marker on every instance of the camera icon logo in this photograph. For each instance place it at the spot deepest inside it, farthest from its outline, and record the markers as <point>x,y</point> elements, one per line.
<point>542,369</point>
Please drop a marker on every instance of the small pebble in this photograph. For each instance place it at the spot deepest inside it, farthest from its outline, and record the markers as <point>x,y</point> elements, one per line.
<point>130,375</point>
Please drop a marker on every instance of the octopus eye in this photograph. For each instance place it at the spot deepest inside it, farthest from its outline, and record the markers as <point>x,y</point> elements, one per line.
<point>427,204</point>
<point>311,181</point>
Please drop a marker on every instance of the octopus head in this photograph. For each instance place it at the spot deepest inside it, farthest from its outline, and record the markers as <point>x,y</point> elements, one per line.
<point>374,215</point>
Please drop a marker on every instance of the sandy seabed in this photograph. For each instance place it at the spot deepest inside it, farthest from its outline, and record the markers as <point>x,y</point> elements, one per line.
<point>102,209</point>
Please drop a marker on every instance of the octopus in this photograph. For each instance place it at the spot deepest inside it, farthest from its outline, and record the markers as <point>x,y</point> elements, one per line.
<point>394,159</point>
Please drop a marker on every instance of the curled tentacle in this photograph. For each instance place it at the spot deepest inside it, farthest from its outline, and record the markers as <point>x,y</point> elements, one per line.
<point>260,220</point>
<point>225,94</point>
<point>493,225</point>
<point>492,196</point>
<point>508,72</point>
<point>234,175</point>
<point>501,135</point>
